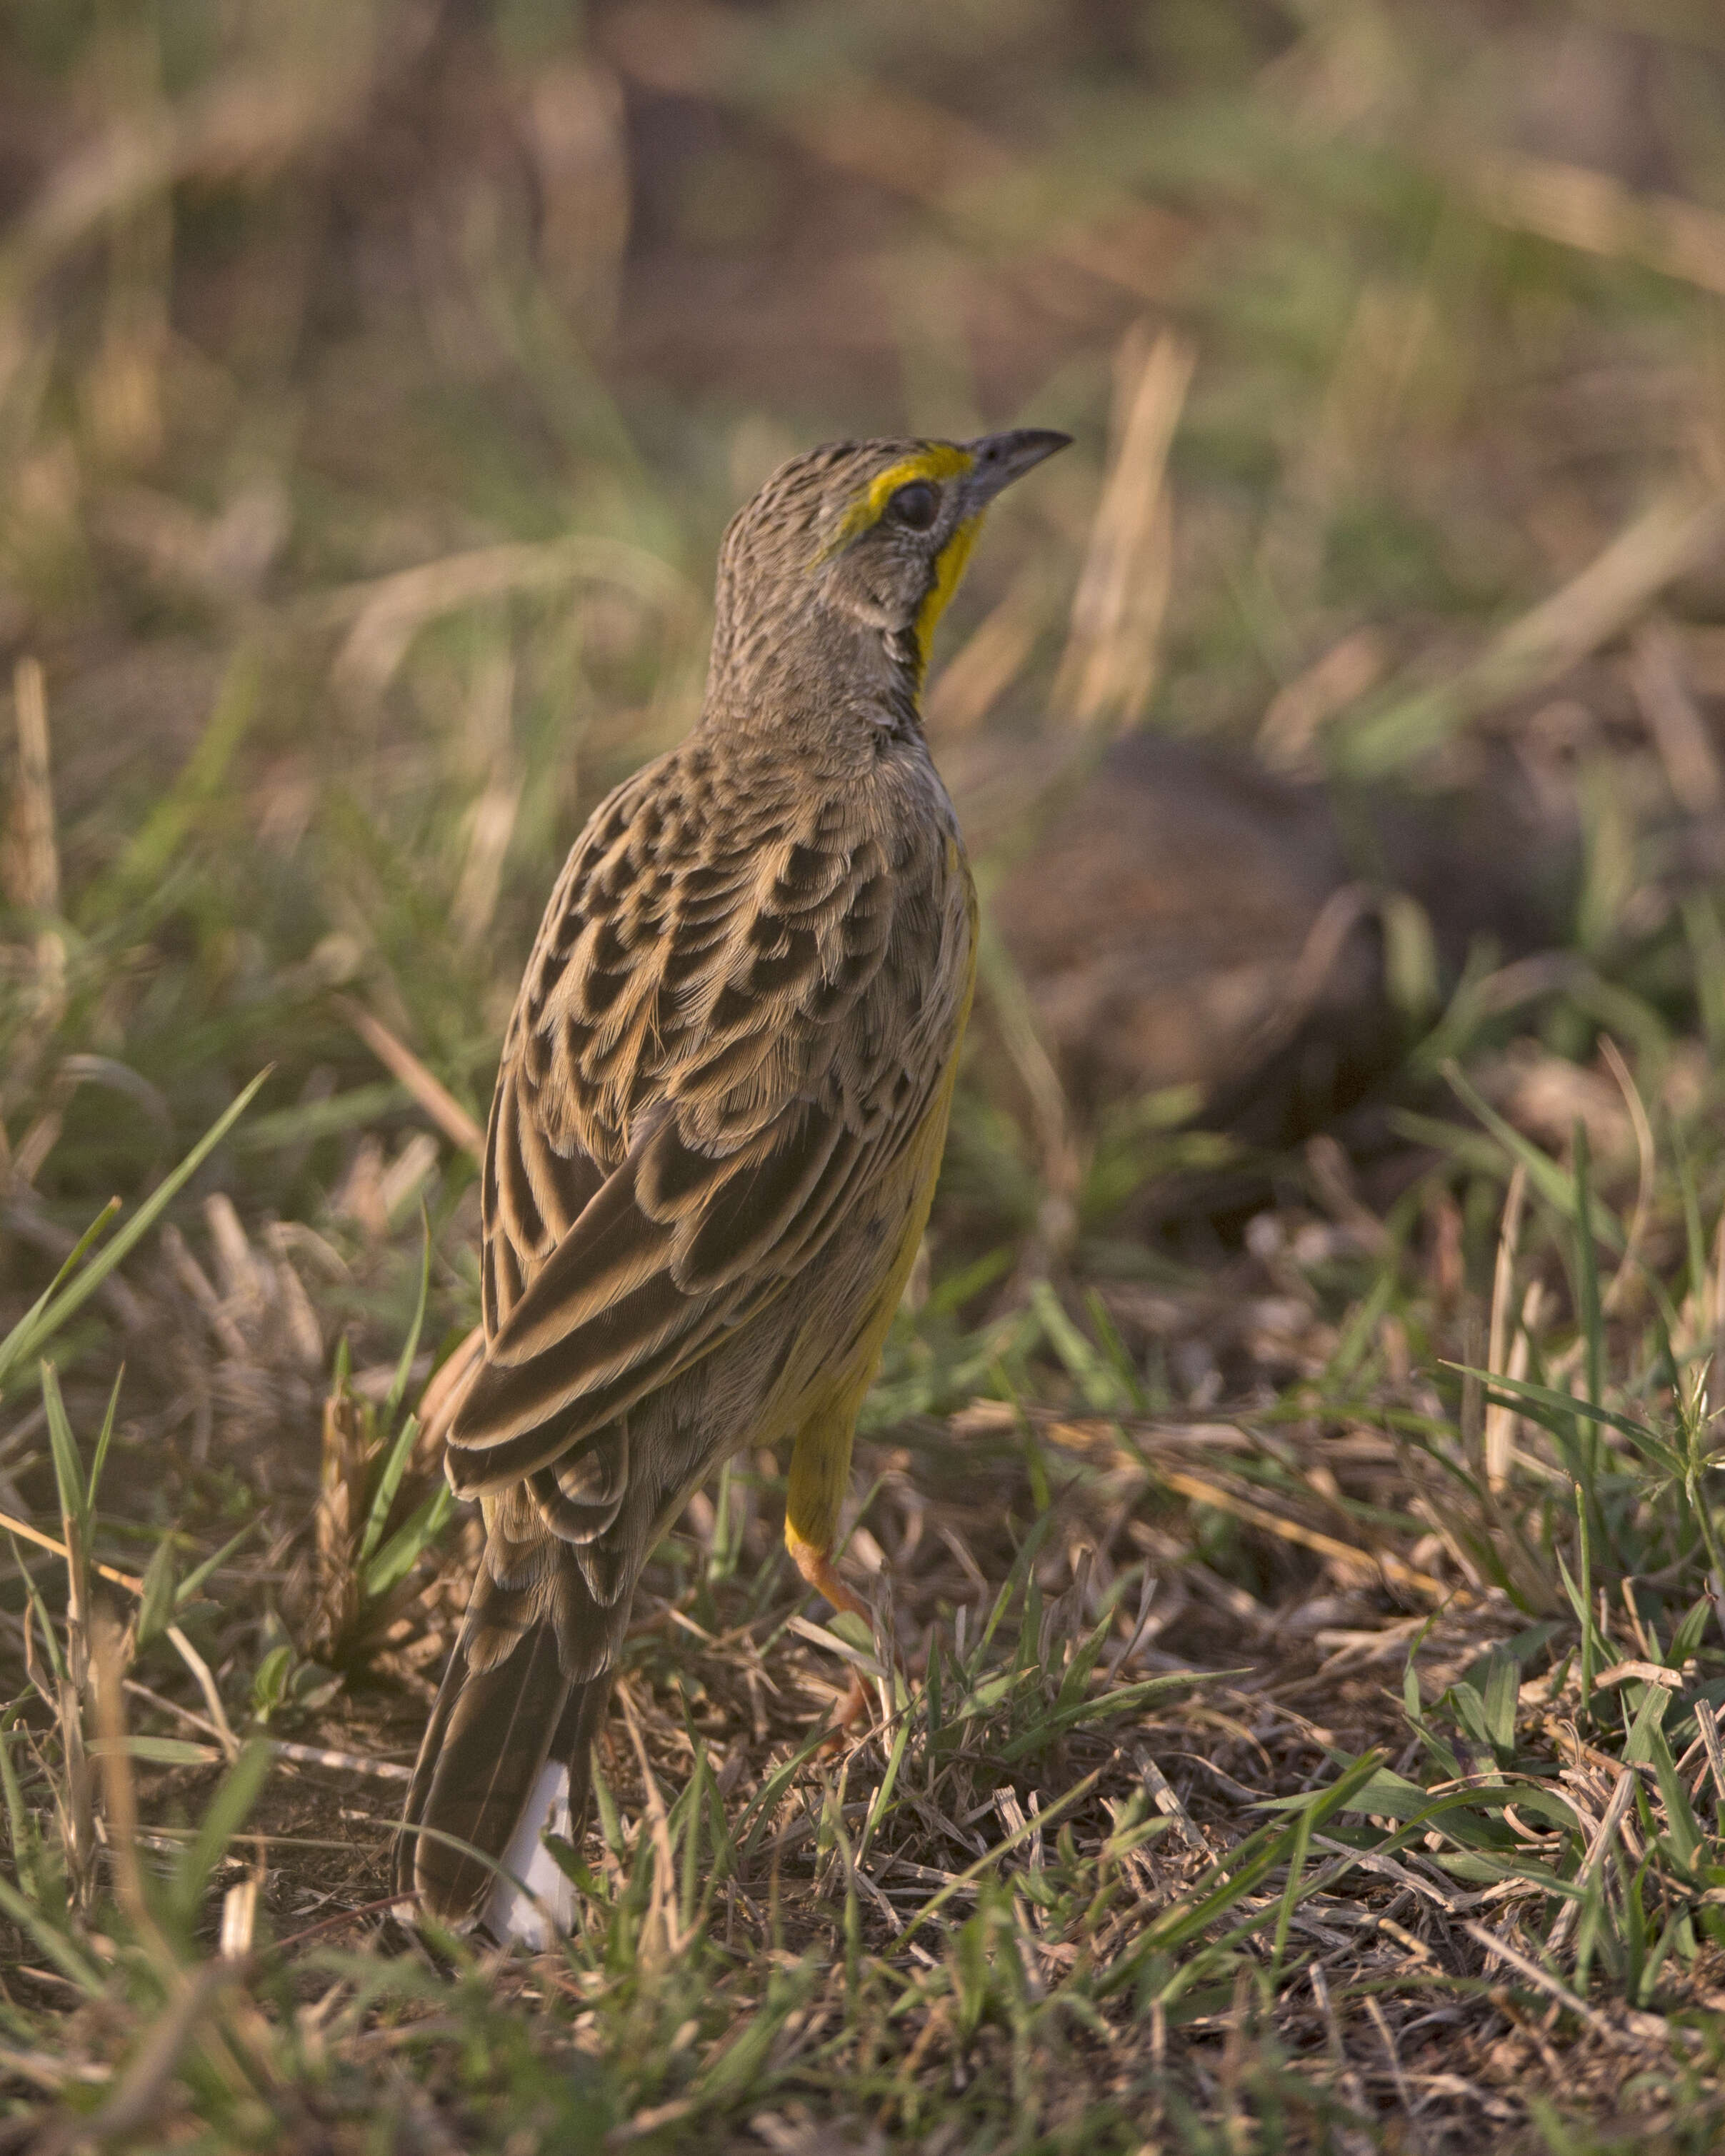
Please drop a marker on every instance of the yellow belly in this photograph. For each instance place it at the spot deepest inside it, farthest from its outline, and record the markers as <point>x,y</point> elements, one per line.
<point>825,1417</point>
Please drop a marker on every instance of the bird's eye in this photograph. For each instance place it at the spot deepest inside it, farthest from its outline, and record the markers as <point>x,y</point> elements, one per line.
<point>916,505</point>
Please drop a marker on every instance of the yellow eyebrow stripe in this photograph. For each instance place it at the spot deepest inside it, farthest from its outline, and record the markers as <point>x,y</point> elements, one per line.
<point>939,461</point>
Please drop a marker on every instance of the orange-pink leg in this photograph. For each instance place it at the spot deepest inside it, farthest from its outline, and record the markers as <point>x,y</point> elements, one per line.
<point>816,1567</point>
<point>820,1474</point>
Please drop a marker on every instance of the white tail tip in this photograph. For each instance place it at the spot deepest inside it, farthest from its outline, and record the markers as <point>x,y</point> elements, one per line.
<point>546,1912</point>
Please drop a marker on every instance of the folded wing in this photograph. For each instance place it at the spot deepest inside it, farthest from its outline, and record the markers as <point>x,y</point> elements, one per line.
<point>715,1053</point>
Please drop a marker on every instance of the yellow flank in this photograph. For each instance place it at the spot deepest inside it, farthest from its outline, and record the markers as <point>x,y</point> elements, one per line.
<point>821,1458</point>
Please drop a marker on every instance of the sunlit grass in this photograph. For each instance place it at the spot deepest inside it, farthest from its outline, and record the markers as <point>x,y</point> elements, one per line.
<point>1293,1718</point>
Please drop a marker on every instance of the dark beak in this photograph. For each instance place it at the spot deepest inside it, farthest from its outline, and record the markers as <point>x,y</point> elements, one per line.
<point>1000,458</point>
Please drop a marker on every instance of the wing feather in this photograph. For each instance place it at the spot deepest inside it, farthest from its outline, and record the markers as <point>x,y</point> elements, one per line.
<point>733,1024</point>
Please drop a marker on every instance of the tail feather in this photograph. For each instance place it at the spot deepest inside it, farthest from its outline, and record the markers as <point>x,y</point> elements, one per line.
<point>547,1909</point>
<point>500,1718</point>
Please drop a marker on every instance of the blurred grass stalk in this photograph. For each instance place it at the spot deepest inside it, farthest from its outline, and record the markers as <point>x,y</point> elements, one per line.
<point>30,871</point>
<point>1112,653</point>
<point>1577,206</point>
<point>1682,528</point>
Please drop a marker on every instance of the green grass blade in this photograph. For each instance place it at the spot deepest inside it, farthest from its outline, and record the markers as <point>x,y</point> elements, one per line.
<point>403,1551</point>
<point>1544,1173</point>
<point>762,1805</point>
<point>389,1482</point>
<point>403,1369</point>
<point>1290,1894</point>
<point>986,1862</point>
<point>154,847</point>
<point>155,1751</point>
<point>1121,1700</point>
<point>883,1795</point>
<point>1684,1835</point>
<point>358,1108</point>
<point>27,1339</point>
<point>1238,1874</point>
<point>158,1603</point>
<point>1014,1585</point>
<point>39,1611</point>
<point>104,1437</point>
<point>68,1472</point>
<point>195,1578</point>
<point>21,1828</point>
<point>53,1942</point>
<point>1562,1409</point>
<point>1589,1311</point>
<point>12,1346</point>
<point>223,1817</point>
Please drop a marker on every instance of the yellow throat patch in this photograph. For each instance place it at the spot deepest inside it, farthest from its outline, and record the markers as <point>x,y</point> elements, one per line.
<point>948,568</point>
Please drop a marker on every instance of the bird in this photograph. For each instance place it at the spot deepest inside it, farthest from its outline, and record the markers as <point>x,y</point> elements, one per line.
<point>719,1117</point>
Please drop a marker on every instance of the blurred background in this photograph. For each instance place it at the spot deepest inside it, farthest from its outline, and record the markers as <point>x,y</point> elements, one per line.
<point>376,378</point>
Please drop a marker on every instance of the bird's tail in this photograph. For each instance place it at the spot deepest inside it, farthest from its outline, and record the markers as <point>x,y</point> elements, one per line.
<point>509,1714</point>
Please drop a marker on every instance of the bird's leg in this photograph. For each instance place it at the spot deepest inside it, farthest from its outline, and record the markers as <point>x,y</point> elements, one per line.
<point>816,1567</point>
<point>820,1471</point>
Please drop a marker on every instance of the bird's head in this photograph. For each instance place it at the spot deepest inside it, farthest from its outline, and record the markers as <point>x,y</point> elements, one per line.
<point>845,560</point>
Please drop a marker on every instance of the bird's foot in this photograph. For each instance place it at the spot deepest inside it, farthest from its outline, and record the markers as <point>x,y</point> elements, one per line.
<point>816,1567</point>
<point>855,1711</point>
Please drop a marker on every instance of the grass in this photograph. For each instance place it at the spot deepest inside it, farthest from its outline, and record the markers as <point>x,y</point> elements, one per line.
<point>1292,1721</point>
